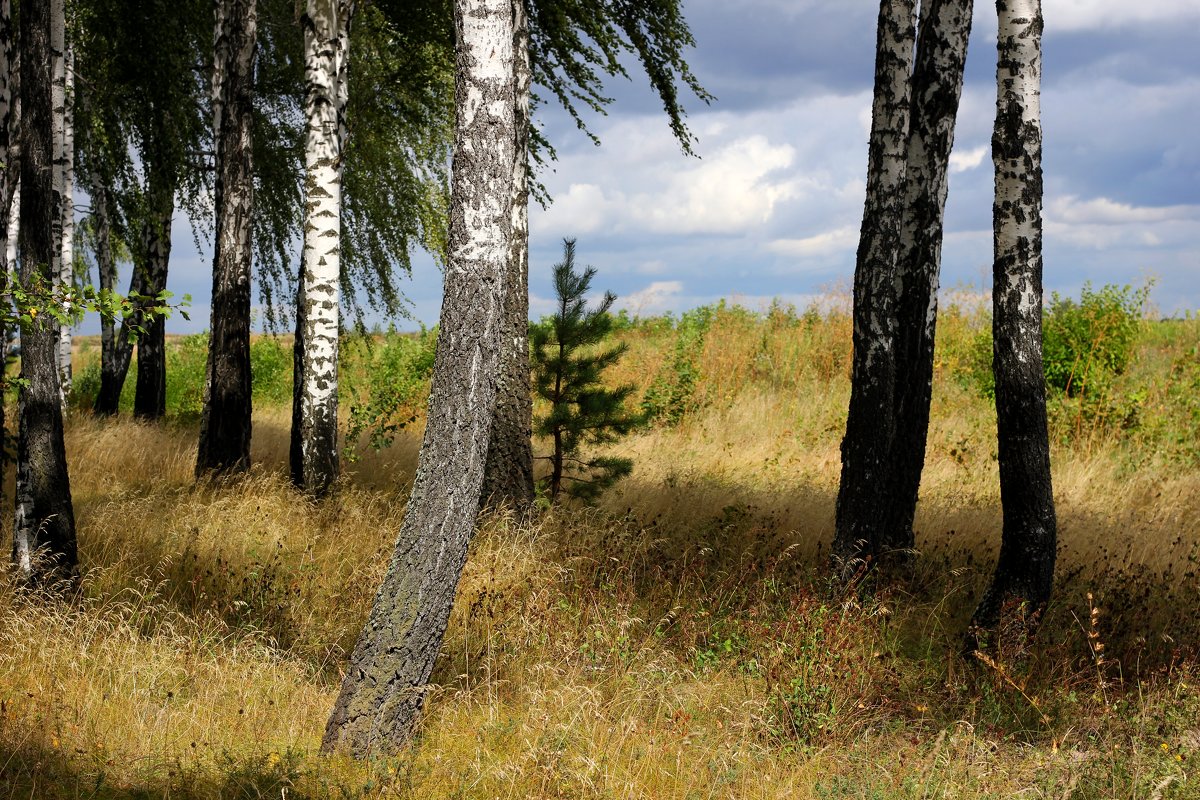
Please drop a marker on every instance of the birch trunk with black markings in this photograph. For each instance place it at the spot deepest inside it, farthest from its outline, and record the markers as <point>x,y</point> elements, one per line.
<point>1024,573</point>
<point>861,511</point>
<point>314,446</point>
<point>508,477</point>
<point>225,424</point>
<point>936,89</point>
<point>44,544</point>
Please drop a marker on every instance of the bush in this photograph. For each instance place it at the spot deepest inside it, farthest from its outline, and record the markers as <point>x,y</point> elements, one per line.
<point>397,374</point>
<point>670,395</point>
<point>1085,344</point>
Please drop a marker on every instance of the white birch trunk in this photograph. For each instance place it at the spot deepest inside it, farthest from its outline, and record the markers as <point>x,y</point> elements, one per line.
<point>326,70</point>
<point>14,224</point>
<point>1024,574</point>
<point>58,177</point>
<point>860,504</point>
<point>67,184</point>
<point>10,108</point>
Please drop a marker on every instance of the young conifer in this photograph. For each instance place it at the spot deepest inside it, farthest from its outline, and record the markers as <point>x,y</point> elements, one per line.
<point>569,360</point>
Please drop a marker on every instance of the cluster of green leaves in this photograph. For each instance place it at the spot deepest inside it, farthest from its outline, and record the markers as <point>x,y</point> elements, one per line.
<point>671,393</point>
<point>569,359</point>
<point>1086,344</point>
<point>385,381</point>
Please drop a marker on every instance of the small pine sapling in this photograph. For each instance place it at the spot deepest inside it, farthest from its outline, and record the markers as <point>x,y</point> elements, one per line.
<point>569,360</point>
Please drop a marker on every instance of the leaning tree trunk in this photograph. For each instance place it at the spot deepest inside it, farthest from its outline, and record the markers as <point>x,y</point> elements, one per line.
<point>150,392</point>
<point>936,88</point>
<point>385,681</point>
<point>508,476</point>
<point>225,424</point>
<point>44,547</point>
<point>64,176</point>
<point>1025,571</point>
<point>869,428</point>
<point>314,449</point>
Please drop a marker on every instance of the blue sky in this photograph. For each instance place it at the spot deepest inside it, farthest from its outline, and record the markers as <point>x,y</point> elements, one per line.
<point>772,206</point>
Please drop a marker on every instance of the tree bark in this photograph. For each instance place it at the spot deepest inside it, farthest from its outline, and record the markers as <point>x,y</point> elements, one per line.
<point>1025,570</point>
<point>869,428</point>
<point>44,545</point>
<point>936,89</point>
<point>9,158</point>
<point>150,392</point>
<point>106,266</point>
<point>314,449</point>
<point>64,184</point>
<point>225,425</point>
<point>508,476</point>
<point>385,682</point>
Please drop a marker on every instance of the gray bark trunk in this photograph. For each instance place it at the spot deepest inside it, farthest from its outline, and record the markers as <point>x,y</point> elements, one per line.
<point>44,546</point>
<point>936,89</point>
<point>508,476</point>
<point>385,681</point>
<point>314,450</point>
<point>1025,569</point>
<point>225,425</point>
<point>107,269</point>
<point>869,428</point>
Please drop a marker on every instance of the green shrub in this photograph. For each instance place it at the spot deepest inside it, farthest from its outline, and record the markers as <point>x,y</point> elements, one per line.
<point>187,359</point>
<point>1086,344</point>
<point>271,371</point>
<point>670,395</point>
<point>395,374</point>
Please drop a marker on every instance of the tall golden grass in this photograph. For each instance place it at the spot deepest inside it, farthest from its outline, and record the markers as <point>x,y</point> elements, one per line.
<point>679,640</point>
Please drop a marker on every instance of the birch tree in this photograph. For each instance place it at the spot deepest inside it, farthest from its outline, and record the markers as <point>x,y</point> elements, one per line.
<point>508,476</point>
<point>314,451</point>
<point>868,432</point>
<point>936,90</point>
<point>896,278</point>
<point>9,172</point>
<point>44,545</point>
<point>144,131</point>
<point>1024,573</point>
<point>565,49</point>
<point>225,426</point>
<point>64,186</point>
<point>389,668</point>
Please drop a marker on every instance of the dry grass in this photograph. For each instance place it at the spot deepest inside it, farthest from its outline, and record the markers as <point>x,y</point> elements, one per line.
<point>678,641</point>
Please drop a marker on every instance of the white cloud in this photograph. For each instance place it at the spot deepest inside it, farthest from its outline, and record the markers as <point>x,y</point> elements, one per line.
<point>653,299</point>
<point>1101,223</point>
<point>1097,14</point>
<point>963,161</point>
<point>1071,210</point>
<point>828,243</point>
<point>728,191</point>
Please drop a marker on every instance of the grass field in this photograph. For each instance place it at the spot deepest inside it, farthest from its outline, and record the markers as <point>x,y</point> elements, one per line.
<point>679,640</point>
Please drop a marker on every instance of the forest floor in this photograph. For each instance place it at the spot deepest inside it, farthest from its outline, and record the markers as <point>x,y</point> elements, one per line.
<point>679,640</point>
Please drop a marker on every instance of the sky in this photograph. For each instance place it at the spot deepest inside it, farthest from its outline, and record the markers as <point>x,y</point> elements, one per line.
<point>772,205</point>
